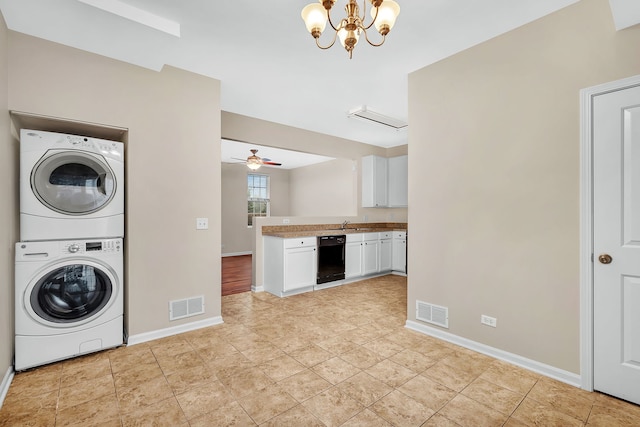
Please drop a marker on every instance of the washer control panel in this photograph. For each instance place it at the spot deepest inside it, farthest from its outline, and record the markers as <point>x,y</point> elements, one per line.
<point>105,246</point>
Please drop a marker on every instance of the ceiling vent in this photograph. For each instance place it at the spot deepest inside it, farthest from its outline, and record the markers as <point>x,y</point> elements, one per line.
<point>364,113</point>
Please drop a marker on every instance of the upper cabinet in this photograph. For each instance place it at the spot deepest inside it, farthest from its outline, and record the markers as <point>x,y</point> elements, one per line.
<point>397,170</point>
<point>384,182</point>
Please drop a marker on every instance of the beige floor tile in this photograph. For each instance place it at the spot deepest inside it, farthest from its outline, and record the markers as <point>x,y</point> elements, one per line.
<point>281,367</point>
<point>104,409</point>
<point>510,376</point>
<point>366,418</point>
<point>230,414</point>
<point>391,373</point>
<point>337,345</point>
<point>428,392</point>
<point>262,353</point>
<point>170,346</point>
<point>533,413</point>
<point>144,394</point>
<point>38,381</point>
<point>267,403</point>
<point>563,397</point>
<point>606,416</point>
<point>134,376</point>
<point>494,396</point>
<point>201,400</point>
<point>439,421</point>
<point>414,360</point>
<point>450,376</point>
<point>364,388</point>
<point>87,391</point>
<point>184,379</point>
<point>228,365</point>
<point>173,363</point>
<point>383,347</point>
<point>246,382</point>
<point>166,413</point>
<point>23,409</point>
<point>362,358</point>
<point>333,407</point>
<point>401,410</point>
<point>310,355</point>
<point>468,412</point>
<point>125,358</point>
<point>335,370</point>
<point>294,417</point>
<point>304,385</point>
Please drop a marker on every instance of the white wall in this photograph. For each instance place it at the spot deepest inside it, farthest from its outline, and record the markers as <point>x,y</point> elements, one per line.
<point>494,179</point>
<point>172,170</point>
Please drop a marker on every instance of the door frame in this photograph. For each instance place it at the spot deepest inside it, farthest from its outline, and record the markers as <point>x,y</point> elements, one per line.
<point>586,221</point>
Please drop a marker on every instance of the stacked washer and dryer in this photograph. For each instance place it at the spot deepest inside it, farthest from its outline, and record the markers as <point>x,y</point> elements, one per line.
<point>69,262</point>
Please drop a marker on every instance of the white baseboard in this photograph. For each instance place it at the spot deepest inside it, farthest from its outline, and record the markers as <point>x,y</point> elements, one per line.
<point>255,288</point>
<point>237,254</point>
<point>532,365</point>
<point>4,385</point>
<point>167,332</point>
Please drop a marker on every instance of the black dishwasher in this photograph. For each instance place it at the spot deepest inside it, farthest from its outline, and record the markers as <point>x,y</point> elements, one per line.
<point>330,258</point>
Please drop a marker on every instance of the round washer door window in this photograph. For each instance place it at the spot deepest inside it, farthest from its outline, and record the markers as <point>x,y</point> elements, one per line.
<point>71,293</point>
<point>73,183</point>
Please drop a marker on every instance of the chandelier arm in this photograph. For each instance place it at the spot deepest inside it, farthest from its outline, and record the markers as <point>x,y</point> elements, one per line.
<point>335,37</point>
<point>372,22</point>
<point>331,22</point>
<point>366,36</point>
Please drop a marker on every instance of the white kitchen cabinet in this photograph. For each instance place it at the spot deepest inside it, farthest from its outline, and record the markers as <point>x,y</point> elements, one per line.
<point>399,263</point>
<point>353,256</point>
<point>374,182</point>
<point>290,265</point>
<point>398,181</point>
<point>385,250</point>
<point>370,254</point>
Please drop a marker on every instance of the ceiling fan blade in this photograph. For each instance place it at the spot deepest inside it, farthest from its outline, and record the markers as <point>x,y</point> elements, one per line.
<point>242,160</point>
<point>271,163</point>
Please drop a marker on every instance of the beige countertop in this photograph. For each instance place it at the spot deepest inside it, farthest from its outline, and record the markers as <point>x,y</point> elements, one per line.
<point>292,231</point>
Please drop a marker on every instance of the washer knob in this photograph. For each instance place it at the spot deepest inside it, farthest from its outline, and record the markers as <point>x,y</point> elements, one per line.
<point>74,248</point>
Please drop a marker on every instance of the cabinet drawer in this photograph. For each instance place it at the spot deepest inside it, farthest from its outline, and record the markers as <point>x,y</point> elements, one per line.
<point>355,237</point>
<point>300,242</point>
<point>399,234</point>
<point>370,236</point>
<point>385,235</point>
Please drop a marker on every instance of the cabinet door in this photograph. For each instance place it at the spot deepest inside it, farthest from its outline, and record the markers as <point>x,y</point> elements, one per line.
<point>299,268</point>
<point>385,255</point>
<point>370,257</point>
<point>398,180</point>
<point>400,255</point>
<point>374,182</point>
<point>353,260</point>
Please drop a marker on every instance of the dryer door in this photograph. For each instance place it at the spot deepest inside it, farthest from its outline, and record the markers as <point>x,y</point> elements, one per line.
<point>71,293</point>
<point>73,182</point>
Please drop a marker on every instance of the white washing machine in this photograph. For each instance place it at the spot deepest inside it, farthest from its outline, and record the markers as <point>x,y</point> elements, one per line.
<point>71,187</point>
<point>68,299</point>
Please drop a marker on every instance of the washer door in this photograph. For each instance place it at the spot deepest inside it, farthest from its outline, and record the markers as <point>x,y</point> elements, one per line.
<point>73,182</point>
<point>71,293</point>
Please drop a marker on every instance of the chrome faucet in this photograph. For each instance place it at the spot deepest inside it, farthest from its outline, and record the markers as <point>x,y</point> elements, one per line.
<point>344,225</point>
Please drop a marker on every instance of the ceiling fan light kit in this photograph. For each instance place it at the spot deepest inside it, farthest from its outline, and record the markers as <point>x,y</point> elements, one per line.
<point>349,29</point>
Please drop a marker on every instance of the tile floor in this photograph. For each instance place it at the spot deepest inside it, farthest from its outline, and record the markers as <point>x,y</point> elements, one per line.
<point>338,357</point>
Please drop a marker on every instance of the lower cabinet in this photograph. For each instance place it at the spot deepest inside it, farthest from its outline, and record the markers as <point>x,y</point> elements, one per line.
<point>399,251</point>
<point>370,253</point>
<point>290,265</point>
<point>386,251</point>
<point>353,256</point>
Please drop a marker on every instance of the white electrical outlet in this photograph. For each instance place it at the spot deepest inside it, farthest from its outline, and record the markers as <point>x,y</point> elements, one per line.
<point>489,321</point>
<point>202,223</point>
<point>286,221</point>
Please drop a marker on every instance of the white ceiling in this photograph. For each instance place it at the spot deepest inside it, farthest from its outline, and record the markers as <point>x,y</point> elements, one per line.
<point>234,150</point>
<point>266,60</point>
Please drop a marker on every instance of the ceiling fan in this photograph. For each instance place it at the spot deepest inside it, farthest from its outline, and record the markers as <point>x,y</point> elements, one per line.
<point>253,162</point>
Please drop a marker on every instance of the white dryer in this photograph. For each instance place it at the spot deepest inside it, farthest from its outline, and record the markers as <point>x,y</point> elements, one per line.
<point>68,299</point>
<point>71,187</point>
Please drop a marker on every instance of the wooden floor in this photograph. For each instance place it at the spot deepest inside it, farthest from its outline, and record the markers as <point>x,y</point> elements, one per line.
<point>236,274</point>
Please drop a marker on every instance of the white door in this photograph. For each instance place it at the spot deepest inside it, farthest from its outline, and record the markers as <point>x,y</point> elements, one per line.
<point>616,243</point>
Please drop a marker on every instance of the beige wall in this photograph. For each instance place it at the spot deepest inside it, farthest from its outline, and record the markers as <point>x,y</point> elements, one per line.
<point>325,189</point>
<point>494,179</point>
<point>9,208</point>
<point>236,236</point>
<point>172,168</point>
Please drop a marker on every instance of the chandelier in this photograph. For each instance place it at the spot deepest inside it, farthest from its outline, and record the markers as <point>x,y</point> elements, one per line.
<point>349,29</point>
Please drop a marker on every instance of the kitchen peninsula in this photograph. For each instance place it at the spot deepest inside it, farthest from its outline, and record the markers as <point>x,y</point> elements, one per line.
<point>303,258</point>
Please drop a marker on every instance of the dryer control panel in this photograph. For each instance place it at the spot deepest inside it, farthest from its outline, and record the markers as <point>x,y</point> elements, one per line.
<point>112,245</point>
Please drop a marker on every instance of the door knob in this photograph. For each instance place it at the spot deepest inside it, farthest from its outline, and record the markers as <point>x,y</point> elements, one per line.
<point>605,259</point>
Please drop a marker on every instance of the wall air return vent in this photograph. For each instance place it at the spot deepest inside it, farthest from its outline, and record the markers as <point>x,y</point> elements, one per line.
<point>432,313</point>
<point>179,309</point>
<point>363,113</point>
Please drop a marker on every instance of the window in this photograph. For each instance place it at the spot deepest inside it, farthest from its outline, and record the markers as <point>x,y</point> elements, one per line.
<point>257,196</point>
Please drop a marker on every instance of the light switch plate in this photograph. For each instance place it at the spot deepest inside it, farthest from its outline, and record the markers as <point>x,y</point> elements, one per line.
<point>202,223</point>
